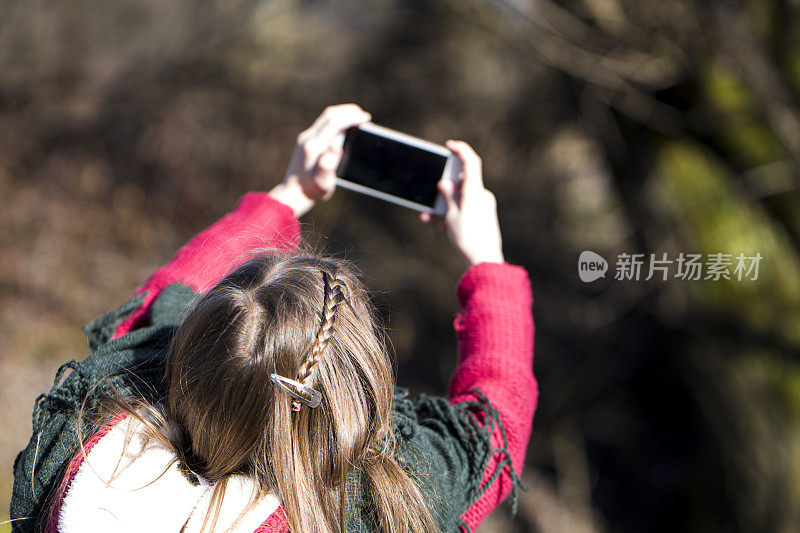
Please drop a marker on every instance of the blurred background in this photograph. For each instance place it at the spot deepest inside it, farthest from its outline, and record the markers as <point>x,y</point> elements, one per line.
<point>618,126</point>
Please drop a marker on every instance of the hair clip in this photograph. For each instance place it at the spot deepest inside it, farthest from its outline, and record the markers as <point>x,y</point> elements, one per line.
<point>284,383</point>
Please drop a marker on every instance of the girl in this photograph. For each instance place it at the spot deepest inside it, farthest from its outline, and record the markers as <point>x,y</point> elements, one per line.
<point>244,390</point>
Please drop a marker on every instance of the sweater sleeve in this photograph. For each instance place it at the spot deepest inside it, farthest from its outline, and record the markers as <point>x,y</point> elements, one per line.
<point>259,221</point>
<point>495,334</point>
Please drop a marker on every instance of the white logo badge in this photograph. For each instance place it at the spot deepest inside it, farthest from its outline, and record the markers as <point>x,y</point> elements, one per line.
<point>591,266</point>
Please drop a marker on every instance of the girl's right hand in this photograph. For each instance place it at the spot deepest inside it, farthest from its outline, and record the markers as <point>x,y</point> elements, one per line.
<point>471,218</point>
<point>311,175</point>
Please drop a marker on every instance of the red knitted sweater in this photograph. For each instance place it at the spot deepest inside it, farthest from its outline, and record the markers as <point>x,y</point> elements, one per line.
<point>494,328</point>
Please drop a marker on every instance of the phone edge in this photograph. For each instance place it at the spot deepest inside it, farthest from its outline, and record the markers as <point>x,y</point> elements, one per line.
<point>399,136</point>
<point>384,196</point>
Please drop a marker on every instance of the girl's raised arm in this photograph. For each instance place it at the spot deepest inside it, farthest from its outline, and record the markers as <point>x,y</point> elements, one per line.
<point>495,336</point>
<point>261,220</point>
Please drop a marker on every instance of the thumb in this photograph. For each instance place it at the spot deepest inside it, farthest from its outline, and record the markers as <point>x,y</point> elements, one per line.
<point>325,175</point>
<point>447,188</point>
<point>327,182</point>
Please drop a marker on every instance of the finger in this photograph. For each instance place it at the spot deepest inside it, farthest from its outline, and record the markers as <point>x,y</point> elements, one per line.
<point>332,116</point>
<point>316,142</point>
<point>425,217</point>
<point>327,161</point>
<point>447,189</point>
<point>471,162</point>
<point>322,186</point>
<point>315,148</point>
<point>325,172</point>
<point>319,135</point>
<point>341,120</point>
<point>327,113</point>
<point>327,183</point>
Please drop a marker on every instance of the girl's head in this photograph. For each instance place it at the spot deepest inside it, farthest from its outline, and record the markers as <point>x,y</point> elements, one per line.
<point>307,318</point>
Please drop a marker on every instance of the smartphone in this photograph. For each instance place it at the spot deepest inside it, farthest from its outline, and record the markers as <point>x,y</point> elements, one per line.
<point>396,167</point>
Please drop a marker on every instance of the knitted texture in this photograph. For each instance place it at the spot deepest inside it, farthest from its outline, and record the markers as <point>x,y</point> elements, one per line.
<point>258,222</point>
<point>132,365</point>
<point>465,452</point>
<point>495,332</point>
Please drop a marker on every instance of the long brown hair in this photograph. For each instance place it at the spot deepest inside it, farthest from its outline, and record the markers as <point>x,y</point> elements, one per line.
<point>306,317</point>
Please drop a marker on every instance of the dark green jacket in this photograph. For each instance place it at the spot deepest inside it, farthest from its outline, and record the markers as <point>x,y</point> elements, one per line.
<point>443,447</point>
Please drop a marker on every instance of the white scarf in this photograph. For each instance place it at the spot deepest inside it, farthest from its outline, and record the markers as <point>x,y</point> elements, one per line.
<point>121,488</point>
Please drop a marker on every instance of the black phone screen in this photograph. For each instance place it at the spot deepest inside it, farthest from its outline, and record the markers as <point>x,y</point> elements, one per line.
<point>391,166</point>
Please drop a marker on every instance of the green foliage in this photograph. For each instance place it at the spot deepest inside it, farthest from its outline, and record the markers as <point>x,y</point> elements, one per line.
<point>716,217</point>
<point>750,141</point>
<point>724,90</point>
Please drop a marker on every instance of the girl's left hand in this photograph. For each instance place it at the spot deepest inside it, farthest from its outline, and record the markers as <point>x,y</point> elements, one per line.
<point>311,175</point>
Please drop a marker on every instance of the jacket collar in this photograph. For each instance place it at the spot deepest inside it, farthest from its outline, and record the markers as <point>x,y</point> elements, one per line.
<point>127,484</point>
